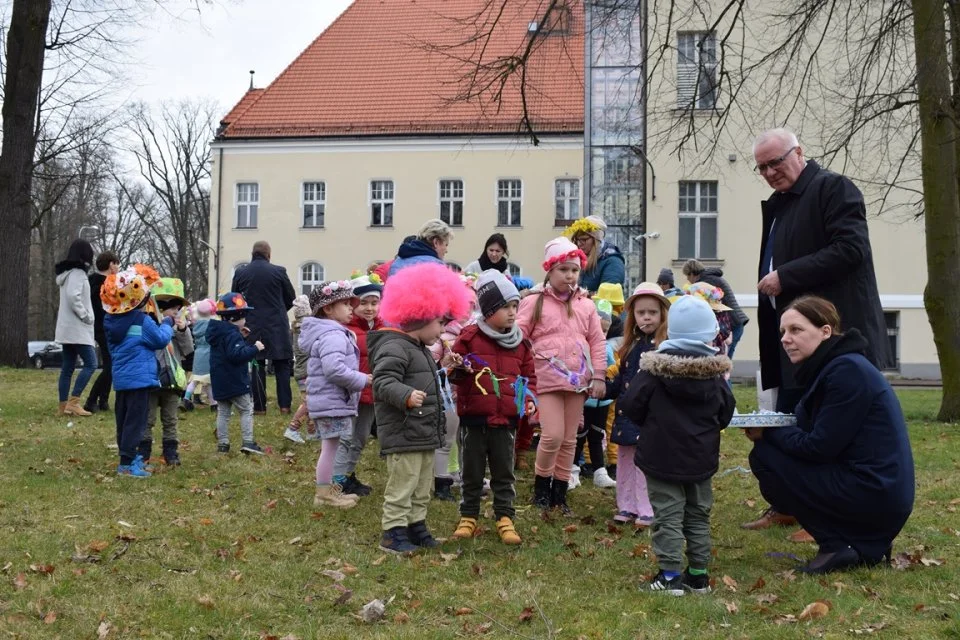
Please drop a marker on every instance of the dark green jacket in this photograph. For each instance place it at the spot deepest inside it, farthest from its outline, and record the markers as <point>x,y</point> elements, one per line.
<point>401,365</point>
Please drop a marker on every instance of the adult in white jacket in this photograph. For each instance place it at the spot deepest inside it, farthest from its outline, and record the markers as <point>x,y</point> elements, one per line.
<point>75,320</point>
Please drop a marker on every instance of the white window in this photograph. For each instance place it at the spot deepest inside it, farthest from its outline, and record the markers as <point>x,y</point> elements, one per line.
<point>567,199</point>
<point>311,275</point>
<point>509,199</point>
<point>314,203</point>
<point>248,204</point>
<point>892,319</point>
<point>451,202</point>
<point>697,70</point>
<point>514,269</point>
<point>698,220</point>
<point>381,203</point>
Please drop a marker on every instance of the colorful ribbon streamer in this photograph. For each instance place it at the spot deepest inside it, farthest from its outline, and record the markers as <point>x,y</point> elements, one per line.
<point>521,391</point>
<point>494,381</point>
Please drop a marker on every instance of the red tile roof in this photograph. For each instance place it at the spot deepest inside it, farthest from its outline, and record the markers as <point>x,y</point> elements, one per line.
<point>378,70</point>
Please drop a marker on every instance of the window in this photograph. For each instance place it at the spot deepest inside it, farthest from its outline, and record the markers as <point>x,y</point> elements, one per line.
<point>509,198</point>
<point>451,202</point>
<point>514,270</point>
<point>248,203</point>
<point>381,203</point>
<point>697,70</point>
<point>567,199</point>
<point>311,275</point>
<point>314,203</point>
<point>892,319</point>
<point>698,220</point>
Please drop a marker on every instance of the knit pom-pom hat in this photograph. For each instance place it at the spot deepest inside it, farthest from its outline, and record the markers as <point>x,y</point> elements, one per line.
<point>203,309</point>
<point>560,250</point>
<point>422,293</point>
<point>301,306</point>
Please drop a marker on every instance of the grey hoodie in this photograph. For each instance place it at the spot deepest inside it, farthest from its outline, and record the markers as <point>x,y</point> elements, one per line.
<point>75,316</point>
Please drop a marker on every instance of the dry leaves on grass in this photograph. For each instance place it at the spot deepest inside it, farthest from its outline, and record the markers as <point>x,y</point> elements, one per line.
<point>903,561</point>
<point>526,615</point>
<point>50,618</point>
<point>45,569</point>
<point>96,546</point>
<point>730,583</point>
<point>764,599</point>
<point>20,582</point>
<point>205,601</point>
<point>868,628</point>
<point>731,607</point>
<point>759,584</point>
<point>815,610</point>
<point>103,630</point>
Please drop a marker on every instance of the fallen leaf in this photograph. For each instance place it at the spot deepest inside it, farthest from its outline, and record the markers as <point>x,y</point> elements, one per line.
<point>379,561</point>
<point>373,611</point>
<point>296,540</point>
<point>839,586</point>
<point>477,570</point>
<point>103,630</point>
<point>815,610</point>
<point>463,611</point>
<point>449,557</point>
<point>336,576</point>
<point>205,601</point>
<point>205,521</point>
<point>732,607</point>
<point>570,528</point>
<point>750,503</point>
<point>344,597</point>
<point>235,575</point>
<point>348,569</point>
<point>271,504</point>
<point>316,515</point>
<point>6,567</point>
<point>869,629</point>
<point>767,598</point>
<point>730,583</point>
<point>46,569</point>
<point>930,562</point>
<point>534,529</point>
<point>759,584</point>
<point>124,523</point>
<point>401,618</point>
<point>526,615</point>
<point>788,575</point>
<point>484,628</point>
<point>50,618</point>
<point>126,537</point>
<point>98,545</point>
<point>917,608</point>
<point>20,582</point>
<point>785,618</point>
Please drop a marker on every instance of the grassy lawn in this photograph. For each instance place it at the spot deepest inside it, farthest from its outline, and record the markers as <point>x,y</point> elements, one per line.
<point>231,547</point>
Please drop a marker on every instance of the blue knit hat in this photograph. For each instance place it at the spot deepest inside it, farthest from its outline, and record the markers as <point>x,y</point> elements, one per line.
<point>691,318</point>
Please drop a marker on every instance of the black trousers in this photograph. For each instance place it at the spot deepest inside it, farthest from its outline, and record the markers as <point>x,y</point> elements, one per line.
<point>594,428</point>
<point>131,409</point>
<point>478,446</point>
<point>827,501</point>
<point>282,369</point>
<point>100,392</point>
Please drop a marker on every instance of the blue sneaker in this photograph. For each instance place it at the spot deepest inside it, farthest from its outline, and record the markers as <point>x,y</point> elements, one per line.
<point>142,464</point>
<point>132,471</point>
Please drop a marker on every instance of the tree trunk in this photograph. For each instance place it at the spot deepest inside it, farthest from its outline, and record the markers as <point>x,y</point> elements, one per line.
<point>941,194</point>
<point>24,67</point>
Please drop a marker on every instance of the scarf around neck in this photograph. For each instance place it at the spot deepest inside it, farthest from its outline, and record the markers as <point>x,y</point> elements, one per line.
<point>485,263</point>
<point>509,340</point>
<point>691,346</point>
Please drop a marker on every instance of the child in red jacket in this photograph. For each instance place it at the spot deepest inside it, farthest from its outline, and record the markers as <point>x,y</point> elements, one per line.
<point>495,378</point>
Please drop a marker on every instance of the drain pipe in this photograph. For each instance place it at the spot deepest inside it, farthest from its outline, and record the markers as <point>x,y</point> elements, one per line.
<point>216,254</point>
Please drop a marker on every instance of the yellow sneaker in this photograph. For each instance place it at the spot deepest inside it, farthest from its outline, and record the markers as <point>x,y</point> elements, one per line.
<point>508,534</point>
<point>465,528</point>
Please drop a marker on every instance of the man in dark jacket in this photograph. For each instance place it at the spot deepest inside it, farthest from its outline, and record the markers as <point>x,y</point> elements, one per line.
<point>268,290</point>
<point>814,241</point>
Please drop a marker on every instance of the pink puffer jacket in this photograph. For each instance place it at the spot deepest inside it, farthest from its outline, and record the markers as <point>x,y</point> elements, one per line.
<point>563,337</point>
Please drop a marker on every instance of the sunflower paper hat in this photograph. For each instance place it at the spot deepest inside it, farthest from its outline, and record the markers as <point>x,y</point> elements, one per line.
<point>708,293</point>
<point>126,290</point>
<point>592,225</point>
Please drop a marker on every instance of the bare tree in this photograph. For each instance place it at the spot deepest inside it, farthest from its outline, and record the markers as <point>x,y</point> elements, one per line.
<point>172,150</point>
<point>876,82</point>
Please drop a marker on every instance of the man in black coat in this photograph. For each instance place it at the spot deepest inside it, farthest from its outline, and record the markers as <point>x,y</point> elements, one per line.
<point>814,241</point>
<point>269,292</point>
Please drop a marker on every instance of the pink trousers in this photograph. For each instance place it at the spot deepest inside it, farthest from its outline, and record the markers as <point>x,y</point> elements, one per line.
<point>631,485</point>
<point>560,414</point>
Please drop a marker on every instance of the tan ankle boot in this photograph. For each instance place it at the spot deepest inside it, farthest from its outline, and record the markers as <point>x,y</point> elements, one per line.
<point>331,495</point>
<point>75,408</point>
<point>63,409</point>
<point>508,534</point>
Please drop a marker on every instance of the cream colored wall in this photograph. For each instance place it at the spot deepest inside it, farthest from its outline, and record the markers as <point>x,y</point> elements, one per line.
<point>347,242</point>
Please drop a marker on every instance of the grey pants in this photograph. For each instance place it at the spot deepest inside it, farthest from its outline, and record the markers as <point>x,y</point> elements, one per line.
<point>348,453</point>
<point>681,512</point>
<point>244,405</point>
<point>169,403</point>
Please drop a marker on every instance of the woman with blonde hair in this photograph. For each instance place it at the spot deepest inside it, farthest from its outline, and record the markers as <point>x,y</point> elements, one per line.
<point>429,245</point>
<point>605,263</point>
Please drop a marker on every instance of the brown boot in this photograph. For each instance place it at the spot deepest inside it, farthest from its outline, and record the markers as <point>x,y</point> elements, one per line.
<point>75,408</point>
<point>331,495</point>
<point>521,463</point>
<point>465,528</point>
<point>63,409</point>
<point>770,518</point>
<point>508,534</point>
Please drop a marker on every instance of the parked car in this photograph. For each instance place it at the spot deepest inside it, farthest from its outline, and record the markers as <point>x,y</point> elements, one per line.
<point>47,353</point>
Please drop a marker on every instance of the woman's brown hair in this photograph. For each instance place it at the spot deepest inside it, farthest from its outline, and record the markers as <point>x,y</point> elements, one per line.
<point>820,312</point>
<point>631,333</point>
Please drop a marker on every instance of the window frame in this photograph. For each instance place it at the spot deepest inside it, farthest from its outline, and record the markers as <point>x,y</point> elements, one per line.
<point>510,198</point>
<point>567,199</point>
<point>313,283</point>
<point>372,202</point>
<point>698,216</point>
<point>514,270</point>
<point>705,70</point>
<point>237,203</point>
<point>452,200</point>
<point>315,202</point>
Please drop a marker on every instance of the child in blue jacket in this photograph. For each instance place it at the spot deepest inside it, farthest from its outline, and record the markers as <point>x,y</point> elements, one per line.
<point>133,340</point>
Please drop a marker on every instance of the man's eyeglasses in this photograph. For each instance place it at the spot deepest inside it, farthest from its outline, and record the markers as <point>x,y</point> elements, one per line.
<point>773,164</point>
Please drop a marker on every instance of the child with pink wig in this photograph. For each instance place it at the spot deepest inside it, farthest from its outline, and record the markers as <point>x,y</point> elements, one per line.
<point>570,354</point>
<point>200,313</point>
<point>417,304</point>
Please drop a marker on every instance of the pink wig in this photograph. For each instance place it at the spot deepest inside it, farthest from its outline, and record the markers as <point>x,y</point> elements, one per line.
<point>422,293</point>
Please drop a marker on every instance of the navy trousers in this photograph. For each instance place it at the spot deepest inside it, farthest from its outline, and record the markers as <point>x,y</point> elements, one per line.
<point>131,409</point>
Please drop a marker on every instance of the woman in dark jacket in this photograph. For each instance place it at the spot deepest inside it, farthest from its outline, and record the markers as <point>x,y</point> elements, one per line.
<point>494,256</point>
<point>605,263</point>
<point>846,470</point>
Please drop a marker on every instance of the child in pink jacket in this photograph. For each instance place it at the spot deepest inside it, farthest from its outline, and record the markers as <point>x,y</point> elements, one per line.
<point>570,354</point>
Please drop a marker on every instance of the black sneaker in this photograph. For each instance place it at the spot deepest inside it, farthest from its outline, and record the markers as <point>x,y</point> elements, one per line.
<point>418,534</point>
<point>662,584</point>
<point>353,485</point>
<point>251,448</point>
<point>223,447</point>
<point>395,541</point>
<point>695,584</point>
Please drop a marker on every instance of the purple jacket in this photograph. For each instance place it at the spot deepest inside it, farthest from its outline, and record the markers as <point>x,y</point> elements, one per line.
<point>334,381</point>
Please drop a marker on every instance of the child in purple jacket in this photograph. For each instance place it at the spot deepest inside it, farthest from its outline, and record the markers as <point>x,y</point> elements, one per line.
<point>334,380</point>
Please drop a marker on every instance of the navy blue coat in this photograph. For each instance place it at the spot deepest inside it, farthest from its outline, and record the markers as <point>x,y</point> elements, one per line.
<point>413,252</point>
<point>230,358</point>
<point>610,268</point>
<point>625,431</point>
<point>268,290</point>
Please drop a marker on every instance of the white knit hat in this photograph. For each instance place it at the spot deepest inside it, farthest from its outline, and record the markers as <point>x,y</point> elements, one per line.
<point>561,250</point>
<point>601,227</point>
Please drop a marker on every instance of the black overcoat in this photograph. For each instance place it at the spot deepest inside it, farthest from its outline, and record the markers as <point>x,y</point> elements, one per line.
<point>821,247</point>
<point>268,290</point>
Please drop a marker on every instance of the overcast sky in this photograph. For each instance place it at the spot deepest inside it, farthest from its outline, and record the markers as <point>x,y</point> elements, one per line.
<point>210,55</point>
